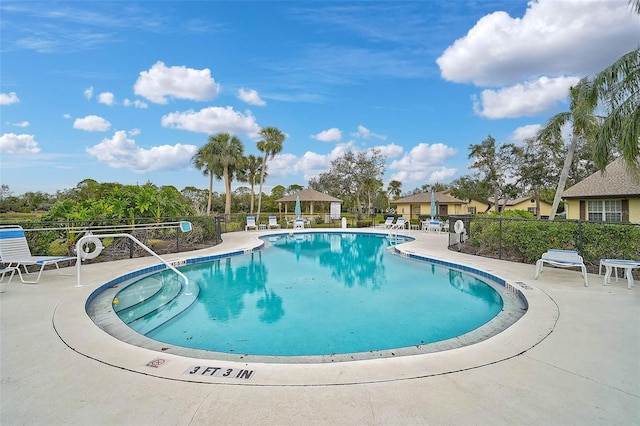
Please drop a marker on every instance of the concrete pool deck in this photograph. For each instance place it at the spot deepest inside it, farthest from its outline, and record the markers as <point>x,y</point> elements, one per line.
<point>574,358</point>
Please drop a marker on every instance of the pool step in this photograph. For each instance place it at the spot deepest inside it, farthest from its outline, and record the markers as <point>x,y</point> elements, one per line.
<point>155,300</point>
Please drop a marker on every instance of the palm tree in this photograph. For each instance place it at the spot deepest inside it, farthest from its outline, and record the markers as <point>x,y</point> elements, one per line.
<point>228,154</point>
<point>617,87</point>
<point>204,159</point>
<point>270,145</point>
<point>250,172</point>
<point>393,190</point>
<point>584,125</point>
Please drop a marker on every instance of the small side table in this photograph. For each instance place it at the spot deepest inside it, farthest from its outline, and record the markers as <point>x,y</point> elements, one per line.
<point>262,226</point>
<point>627,265</point>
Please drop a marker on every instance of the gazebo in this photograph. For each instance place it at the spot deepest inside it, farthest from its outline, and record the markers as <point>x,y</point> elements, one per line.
<point>311,196</point>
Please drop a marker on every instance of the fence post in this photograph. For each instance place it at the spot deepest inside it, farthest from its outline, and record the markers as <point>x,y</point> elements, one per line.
<point>580,245</point>
<point>500,240</point>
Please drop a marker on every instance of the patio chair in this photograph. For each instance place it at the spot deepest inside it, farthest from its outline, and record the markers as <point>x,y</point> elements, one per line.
<point>13,270</point>
<point>387,223</point>
<point>434,226</point>
<point>562,259</point>
<point>400,224</point>
<point>298,224</point>
<point>15,252</point>
<point>251,223</point>
<point>273,222</point>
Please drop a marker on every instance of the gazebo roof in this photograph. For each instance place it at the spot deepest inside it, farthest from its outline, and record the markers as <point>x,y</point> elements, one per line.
<point>308,195</point>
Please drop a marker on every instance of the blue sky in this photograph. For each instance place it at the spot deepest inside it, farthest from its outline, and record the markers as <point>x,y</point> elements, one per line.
<point>127,91</point>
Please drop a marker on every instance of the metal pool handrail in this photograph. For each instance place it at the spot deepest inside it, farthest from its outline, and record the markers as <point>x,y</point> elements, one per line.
<point>90,237</point>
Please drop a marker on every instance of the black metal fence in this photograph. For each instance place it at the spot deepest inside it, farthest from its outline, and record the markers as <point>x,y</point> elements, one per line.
<point>524,240</point>
<point>162,235</point>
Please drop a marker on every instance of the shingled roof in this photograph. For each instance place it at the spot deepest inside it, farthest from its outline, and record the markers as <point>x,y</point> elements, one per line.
<point>308,195</point>
<point>616,181</point>
<point>442,197</point>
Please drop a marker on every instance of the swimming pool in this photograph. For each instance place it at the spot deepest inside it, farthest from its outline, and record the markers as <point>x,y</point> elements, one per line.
<point>318,295</point>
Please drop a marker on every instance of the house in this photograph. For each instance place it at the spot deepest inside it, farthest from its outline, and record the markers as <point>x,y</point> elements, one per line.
<point>416,205</point>
<point>612,196</point>
<point>527,204</point>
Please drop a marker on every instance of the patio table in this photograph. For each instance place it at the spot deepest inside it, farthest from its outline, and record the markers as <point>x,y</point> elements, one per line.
<point>627,265</point>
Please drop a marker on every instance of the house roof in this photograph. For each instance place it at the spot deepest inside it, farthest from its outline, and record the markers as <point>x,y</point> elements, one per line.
<point>616,181</point>
<point>309,195</point>
<point>515,201</point>
<point>442,197</point>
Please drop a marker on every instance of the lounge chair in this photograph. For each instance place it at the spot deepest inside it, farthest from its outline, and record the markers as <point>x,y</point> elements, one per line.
<point>434,226</point>
<point>387,223</point>
<point>13,270</point>
<point>273,222</point>
<point>298,224</point>
<point>562,259</point>
<point>251,223</point>
<point>15,252</point>
<point>400,224</point>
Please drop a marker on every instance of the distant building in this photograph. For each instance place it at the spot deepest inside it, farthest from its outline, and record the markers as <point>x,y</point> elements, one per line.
<point>612,196</point>
<point>416,205</point>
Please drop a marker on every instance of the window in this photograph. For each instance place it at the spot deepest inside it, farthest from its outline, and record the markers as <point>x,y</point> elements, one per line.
<point>605,210</point>
<point>471,210</point>
<point>533,211</point>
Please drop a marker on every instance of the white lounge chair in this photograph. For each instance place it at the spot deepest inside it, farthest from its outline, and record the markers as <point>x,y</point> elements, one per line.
<point>273,222</point>
<point>251,223</point>
<point>434,226</point>
<point>400,224</point>
<point>387,223</point>
<point>15,252</point>
<point>562,259</point>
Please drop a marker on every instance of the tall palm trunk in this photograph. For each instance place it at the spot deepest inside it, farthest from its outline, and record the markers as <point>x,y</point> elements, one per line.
<point>210,193</point>
<point>262,170</point>
<point>564,174</point>
<point>227,199</point>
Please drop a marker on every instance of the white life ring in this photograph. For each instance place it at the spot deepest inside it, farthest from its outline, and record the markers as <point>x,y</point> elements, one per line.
<point>84,248</point>
<point>459,227</point>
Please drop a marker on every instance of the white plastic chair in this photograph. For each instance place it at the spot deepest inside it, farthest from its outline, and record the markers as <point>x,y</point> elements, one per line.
<point>273,222</point>
<point>562,259</point>
<point>251,223</point>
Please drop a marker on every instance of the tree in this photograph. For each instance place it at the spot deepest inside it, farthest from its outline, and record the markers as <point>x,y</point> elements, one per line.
<point>205,160</point>
<point>584,125</point>
<point>293,188</point>
<point>270,145</point>
<point>394,189</point>
<point>494,163</point>
<point>350,175</point>
<point>228,154</point>
<point>249,173</point>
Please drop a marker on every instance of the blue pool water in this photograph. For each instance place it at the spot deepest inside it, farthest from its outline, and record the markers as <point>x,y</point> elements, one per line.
<point>315,294</point>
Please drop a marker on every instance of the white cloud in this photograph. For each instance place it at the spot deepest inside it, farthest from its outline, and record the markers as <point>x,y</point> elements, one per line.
<point>122,153</point>
<point>135,103</point>
<point>528,99</point>
<point>88,92</point>
<point>251,97</point>
<point>178,82</point>
<point>553,38</point>
<point>525,132</point>
<point>22,124</point>
<point>213,120</point>
<point>390,151</point>
<point>92,123</point>
<point>107,98</point>
<point>365,133</point>
<point>423,164</point>
<point>9,99</point>
<point>330,135</point>
<point>66,116</point>
<point>10,143</point>
<point>134,132</point>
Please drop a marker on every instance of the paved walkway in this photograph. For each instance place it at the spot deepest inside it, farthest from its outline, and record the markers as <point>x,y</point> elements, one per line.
<point>574,358</point>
